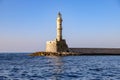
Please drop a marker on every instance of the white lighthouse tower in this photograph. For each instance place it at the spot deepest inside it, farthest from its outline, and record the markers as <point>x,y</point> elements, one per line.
<point>59,27</point>
<point>59,44</point>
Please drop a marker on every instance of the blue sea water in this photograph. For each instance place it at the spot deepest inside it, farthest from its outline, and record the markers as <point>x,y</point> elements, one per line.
<point>20,66</point>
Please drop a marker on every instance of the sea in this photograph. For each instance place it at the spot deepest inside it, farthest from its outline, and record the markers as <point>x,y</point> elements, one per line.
<point>21,66</point>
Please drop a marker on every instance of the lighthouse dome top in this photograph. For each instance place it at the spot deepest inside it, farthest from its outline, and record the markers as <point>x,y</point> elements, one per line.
<point>59,15</point>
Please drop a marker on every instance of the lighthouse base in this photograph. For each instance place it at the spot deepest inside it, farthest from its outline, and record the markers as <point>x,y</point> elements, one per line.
<point>56,46</point>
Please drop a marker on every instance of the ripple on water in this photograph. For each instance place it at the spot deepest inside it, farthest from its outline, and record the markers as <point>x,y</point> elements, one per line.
<point>23,67</point>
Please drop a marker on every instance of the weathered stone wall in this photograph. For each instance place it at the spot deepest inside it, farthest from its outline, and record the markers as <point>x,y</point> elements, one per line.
<point>62,46</point>
<point>56,46</point>
<point>96,50</point>
<point>51,46</point>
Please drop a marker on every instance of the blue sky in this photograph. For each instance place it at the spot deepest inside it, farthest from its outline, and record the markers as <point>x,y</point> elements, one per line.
<point>26,25</point>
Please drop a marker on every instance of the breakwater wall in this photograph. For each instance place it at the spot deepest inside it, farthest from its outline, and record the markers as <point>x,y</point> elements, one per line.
<point>95,50</point>
<point>81,51</point>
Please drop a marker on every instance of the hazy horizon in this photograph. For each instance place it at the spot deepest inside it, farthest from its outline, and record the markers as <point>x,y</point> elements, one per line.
<point>26,25</point>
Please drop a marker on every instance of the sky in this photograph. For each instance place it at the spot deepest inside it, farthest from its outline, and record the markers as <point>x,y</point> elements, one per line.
<point>26,25</point>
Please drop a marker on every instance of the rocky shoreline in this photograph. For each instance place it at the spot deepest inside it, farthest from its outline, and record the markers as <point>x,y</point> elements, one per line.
<point>68,54</point>
<point>54,54</point>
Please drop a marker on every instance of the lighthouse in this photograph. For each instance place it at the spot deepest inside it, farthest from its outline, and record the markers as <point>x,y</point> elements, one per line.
<point>59,27</point>
<point>59,44</point>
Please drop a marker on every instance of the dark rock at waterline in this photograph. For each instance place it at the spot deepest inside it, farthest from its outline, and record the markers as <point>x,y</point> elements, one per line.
<point>54,54</point>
